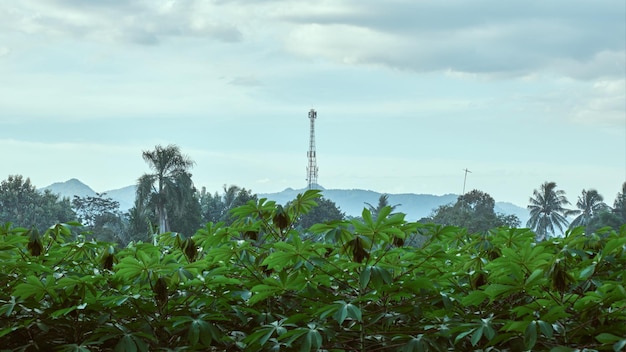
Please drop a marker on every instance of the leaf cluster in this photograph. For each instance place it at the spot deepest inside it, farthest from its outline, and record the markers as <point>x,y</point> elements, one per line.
<point>260,285</point>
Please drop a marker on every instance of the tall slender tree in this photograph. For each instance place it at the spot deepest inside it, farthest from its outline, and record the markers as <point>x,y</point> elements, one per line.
<point>547,210</point>
<point>590,203</point>
<point>169,183</point>
<point>619,206</point>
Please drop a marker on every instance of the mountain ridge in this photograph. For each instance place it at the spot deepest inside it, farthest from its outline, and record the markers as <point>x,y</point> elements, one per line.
<point>350,201</point>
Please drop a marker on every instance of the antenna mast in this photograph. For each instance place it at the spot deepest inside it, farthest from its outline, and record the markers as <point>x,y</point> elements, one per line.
<point>311,169</point>
<point>465,179</point>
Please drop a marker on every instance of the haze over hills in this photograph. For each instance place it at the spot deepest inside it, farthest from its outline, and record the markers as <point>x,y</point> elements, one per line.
<point>73,187</point>
<point>350,201</point>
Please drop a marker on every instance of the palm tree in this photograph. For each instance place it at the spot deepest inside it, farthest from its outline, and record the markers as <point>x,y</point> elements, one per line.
<point>169,183</point>
<point>590,203</point>
<point>547,210</point>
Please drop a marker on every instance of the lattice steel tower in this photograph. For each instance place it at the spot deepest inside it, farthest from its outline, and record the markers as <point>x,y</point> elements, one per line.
<point>311,169</point>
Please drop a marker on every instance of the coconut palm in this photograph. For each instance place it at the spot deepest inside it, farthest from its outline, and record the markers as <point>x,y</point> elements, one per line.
<point>170,182</point>
<point>590,203</point>
<point>547,210</point>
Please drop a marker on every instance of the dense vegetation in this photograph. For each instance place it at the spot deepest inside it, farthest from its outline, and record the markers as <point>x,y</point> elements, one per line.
<point>301,276</point>
<point>260,284</point>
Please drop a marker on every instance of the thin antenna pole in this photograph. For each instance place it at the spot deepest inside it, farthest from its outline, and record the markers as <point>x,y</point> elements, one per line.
<point>465,179</point>
<point>312,169</point>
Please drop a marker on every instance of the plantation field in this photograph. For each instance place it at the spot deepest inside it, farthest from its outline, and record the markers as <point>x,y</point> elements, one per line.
<point>353,285</point>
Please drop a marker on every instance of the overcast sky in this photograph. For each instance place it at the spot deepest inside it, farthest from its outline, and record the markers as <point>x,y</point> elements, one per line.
<point>408,93</point>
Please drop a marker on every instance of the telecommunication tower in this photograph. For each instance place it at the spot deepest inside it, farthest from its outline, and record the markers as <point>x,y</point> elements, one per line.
<point>311,169</point>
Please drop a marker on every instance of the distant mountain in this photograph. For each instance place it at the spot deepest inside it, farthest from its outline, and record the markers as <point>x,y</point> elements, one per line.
<point>125,196</point>
<point>350,201</point>
<point>415,206</point>
<point>73,187</point>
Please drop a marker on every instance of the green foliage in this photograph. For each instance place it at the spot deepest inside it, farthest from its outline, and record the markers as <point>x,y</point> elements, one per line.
<point>101,218</point>
<point>169,189</point>
<point>473,211</point>
<point>216,207</point>
<point>259,285</point>
<point>547,210</point>
<point>22,205</point>
<point>325,211</point>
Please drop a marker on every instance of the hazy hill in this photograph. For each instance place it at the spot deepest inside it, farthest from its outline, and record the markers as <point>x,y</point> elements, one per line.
<point>350,201</point>
<point>415,206</point>
<point>70,188</point>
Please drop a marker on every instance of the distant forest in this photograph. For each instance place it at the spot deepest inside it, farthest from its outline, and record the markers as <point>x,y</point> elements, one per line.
<point>168,201</point>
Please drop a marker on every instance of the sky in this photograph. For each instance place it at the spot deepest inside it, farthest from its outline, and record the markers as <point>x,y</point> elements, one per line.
<point>409,93</point>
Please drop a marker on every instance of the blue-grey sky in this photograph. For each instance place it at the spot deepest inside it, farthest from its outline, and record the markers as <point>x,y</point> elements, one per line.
<point>408,92</point>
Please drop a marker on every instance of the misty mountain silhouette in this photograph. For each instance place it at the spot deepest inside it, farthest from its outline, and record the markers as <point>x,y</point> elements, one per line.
<point>350,201</point>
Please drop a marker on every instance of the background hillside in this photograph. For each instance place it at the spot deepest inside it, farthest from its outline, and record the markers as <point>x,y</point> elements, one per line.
<point>350,201</point>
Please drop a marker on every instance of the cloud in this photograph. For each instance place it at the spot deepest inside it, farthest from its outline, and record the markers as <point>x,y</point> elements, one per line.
<point>138,22</point>
<point>485,37</point>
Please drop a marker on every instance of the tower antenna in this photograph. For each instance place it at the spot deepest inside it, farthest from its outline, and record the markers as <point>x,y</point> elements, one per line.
<point>311,169</point>
<point>465,179</point>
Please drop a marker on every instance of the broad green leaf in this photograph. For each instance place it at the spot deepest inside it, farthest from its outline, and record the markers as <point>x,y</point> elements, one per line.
<point>32,287</point>
<point>530,335</point>
<point>563,349</point>
<point>474,298</point>
<point>462,335</point>
<point>364,277</point>
<point>63,311</point>
<point>126,344</point>
<point>587,272</point>
<point>606,337</point>
<point>478,333</point>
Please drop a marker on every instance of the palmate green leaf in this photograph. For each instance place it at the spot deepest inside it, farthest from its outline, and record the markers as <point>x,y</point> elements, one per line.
<point>33,287</point>
<point>494,291</point>
<point>347,310</point>
<point>474,298</point>
<point>199,331</point>
<point>265,332</point>
<point>312,341</point>
<point>304,202</point>
<point>129,268</point>
<point>263,291</point>
<point>286,255</point>
<point>261,209</point>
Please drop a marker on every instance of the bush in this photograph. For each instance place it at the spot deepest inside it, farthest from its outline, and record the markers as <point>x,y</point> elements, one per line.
<point>257,285</point>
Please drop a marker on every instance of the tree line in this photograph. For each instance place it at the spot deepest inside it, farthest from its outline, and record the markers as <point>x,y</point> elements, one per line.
<point>167,200</point>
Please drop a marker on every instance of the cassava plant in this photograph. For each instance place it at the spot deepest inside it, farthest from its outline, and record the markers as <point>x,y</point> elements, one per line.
<point>264,284</point>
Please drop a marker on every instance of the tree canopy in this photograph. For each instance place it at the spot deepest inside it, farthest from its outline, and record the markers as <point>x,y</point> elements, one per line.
<point>547,210</point>
<point>23,205</point>
<point>169,187</point>
<point>326,210</point>
<point>474,211</point>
